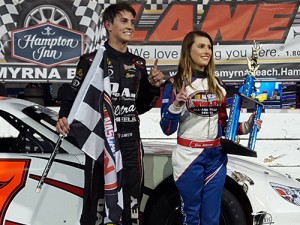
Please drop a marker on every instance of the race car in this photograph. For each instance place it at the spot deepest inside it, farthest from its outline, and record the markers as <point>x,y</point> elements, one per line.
<point>253,194</point>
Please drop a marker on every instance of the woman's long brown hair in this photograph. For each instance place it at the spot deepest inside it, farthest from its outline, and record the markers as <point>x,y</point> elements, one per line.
<point>186,65</point>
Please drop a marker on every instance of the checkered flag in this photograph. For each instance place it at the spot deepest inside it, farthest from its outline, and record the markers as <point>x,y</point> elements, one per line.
<point>8,18</point>
<point>90,22</point>
<point>94,127</point>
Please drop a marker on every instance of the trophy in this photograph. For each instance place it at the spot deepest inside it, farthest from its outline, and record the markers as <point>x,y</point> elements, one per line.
<point>244,100</point>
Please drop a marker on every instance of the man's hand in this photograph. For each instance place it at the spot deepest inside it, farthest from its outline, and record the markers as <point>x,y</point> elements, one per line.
<point>62,126</point>
<point>156,76</point>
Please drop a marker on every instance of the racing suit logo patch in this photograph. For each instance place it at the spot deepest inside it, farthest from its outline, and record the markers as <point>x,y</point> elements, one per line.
<point>203,104</point>
<point>130,71</point>
<point>139,63</point>
<point>108,62</point>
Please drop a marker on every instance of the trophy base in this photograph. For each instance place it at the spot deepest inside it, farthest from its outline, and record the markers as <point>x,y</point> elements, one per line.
<point>231,147</point>
<point>249,103</point>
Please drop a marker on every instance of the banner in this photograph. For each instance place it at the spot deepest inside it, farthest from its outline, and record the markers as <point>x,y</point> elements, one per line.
<point>27,27</point>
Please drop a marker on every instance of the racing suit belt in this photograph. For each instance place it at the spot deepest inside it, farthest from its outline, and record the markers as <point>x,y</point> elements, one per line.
<point>198,144</point>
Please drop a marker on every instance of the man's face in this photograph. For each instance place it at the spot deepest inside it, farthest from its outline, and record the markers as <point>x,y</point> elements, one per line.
<point>122,29</point>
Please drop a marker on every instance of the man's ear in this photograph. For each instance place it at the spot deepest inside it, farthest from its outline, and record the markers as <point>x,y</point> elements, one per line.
<point>107,25</point>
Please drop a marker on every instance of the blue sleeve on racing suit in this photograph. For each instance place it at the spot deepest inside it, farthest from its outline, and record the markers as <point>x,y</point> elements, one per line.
<point>169,121</point>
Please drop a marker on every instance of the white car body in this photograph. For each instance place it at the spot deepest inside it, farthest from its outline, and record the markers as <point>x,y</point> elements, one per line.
<point>60,199</point>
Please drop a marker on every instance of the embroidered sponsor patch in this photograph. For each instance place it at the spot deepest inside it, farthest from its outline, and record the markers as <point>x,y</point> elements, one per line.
<point>203,104</point>
<point>165,101</point>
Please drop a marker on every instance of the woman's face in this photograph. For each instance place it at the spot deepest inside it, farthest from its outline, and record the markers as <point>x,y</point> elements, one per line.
<point>201,52</point>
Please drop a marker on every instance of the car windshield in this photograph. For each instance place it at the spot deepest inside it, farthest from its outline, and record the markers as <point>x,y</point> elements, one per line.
<point>45,116</point>
<point>29,139</point>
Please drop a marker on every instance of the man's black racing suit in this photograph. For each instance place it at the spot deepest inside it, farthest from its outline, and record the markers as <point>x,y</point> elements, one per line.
<point>132,94</point>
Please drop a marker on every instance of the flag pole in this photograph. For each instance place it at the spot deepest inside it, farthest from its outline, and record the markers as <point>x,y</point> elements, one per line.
<point>49,163</point>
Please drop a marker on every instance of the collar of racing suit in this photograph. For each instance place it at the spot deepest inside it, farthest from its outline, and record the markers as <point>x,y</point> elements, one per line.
<point>114,53</point>
<point>199,74</point>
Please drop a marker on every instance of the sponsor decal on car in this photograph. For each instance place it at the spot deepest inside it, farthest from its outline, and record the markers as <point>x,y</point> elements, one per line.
<point>11,181</point>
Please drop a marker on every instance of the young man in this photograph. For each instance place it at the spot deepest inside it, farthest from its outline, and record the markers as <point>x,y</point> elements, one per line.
<point>133,93</point>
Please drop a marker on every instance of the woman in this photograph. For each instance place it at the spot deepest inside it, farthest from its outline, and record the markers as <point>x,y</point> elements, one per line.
<point>194,105</point>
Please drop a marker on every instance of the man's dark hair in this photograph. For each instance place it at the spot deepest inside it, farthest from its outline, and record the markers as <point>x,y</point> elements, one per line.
<point>113,10</point>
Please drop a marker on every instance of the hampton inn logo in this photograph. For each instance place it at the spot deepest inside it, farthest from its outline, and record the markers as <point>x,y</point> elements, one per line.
<point>47,44</point>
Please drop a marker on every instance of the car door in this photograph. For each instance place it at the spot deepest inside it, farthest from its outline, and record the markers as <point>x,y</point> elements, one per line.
<point>23,158</point>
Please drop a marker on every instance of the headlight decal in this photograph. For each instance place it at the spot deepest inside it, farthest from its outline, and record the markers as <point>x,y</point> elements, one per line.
<point>290,194</point>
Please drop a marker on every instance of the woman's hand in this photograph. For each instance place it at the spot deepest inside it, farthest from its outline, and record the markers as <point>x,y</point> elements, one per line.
<point>181,97</point>
<point>258,122</point>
